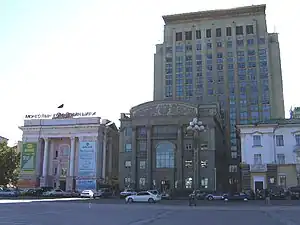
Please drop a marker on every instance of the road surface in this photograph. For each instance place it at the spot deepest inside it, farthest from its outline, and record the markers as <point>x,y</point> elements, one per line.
<point>72,213</point>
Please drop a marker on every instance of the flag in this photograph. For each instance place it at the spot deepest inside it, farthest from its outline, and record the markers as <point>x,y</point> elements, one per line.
<point>61,106</point>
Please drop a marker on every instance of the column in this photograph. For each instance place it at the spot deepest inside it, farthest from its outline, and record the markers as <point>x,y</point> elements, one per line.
<point>45,161</point>
<point>133,159</point>
<point>72,157</point>
<point>104,154</point>
<point>149,158</point>
<point>179,157</point>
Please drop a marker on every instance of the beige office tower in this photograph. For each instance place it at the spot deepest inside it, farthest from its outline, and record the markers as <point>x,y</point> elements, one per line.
<point>225,56</point>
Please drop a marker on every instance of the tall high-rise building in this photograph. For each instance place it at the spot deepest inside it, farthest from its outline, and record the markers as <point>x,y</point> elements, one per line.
<point>224,56</point>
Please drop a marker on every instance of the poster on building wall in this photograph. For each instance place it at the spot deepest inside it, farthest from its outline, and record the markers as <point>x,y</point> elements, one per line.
<point>28,156</point>
<point>87,159</point>
<point>86,185</point>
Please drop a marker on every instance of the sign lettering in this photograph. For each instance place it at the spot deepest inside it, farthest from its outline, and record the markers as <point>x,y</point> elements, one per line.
<point>67,115</point>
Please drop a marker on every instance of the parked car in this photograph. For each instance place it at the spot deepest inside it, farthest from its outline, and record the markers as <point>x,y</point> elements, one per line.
<point>127,192</point>
<point>214,196</point>
<point>105,193</point>
<point>87,194</point>
<point>57,193</point>
<point>198,194</point>
<point>236,197</point>
<point>166,196</point>
<point>143,196</point>
<point>7,192</point>
<point>294,192</point>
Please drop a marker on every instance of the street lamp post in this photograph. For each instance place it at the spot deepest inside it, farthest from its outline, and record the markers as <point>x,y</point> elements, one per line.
<point>196,126</point>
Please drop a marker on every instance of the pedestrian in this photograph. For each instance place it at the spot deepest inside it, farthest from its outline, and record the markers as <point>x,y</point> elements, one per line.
<point>267,197</point>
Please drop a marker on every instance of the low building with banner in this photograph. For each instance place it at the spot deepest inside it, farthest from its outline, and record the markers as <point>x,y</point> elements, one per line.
<point>68,151</point>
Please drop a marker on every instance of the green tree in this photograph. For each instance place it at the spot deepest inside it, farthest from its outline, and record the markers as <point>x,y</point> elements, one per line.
<point>9,164</point>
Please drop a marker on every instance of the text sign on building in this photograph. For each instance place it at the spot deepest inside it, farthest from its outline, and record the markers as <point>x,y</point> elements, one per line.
<point>67,115</point>
<point>86,185</point>
<point>28,157</point>
<point>87,159</point>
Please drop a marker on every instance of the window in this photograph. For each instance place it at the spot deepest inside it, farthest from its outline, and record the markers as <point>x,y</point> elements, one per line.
<point>228,32</point>
<point>198,34</point>
<point>142,146</point>
<point>188,146</point>
<point>128,148</point>
<point>179,36</point>
<point>257,159</point>
<point>256,140</point>
<point>249,29</point>
<point>143,164</point>
<point>188,163</point>
<point>127,164</point>
<point>282,180</point>
<point>165,156</point>
<point>297,138</point>
<point>218,32</point>
<point>209,45</point>
<point>280,158</point>
<point>55,171</point>
<point>232,168</point>
<point>204,182</point>
<point>142,182</point>
<point>56,154</point>
<point>188,182</point>
<point>63,172</point>
<point>127,180</point>
<point>188,35</point>
<point>208,33</point>
<point>128,132</point>
<point>279,140</point>
<point>239,30</point>
<point>234,155</point>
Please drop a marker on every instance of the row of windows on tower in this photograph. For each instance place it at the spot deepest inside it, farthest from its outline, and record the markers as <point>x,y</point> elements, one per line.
<point>208,33</point>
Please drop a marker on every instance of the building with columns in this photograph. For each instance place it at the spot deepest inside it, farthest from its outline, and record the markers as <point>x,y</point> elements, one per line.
<point>69,153</point>
<point>157,152</point>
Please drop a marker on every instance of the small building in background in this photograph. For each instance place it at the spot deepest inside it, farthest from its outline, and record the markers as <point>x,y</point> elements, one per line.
<point>69,153</point>
<point>270,154</point>
<point>156,152</point>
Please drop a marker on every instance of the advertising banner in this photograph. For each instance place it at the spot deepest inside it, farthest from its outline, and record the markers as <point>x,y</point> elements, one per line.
<point>86,185</point>
<point>87,159</point>
<point>28,157</point>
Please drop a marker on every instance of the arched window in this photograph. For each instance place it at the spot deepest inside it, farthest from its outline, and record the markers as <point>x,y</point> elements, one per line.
<point>165,155</point>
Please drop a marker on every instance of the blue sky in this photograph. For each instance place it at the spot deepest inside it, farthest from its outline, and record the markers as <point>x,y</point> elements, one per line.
<point>95,55</point>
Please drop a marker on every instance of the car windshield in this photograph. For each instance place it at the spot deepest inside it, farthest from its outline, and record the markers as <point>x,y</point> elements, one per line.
<point>155,192</point>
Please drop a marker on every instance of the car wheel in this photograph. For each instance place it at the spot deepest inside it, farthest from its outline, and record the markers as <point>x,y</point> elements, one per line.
<point>151,200</point>
<point>210,198</point>
<point>130,200</point>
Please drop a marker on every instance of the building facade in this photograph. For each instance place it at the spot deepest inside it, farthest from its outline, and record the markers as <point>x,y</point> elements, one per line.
<point>224,56</point>
<point>270,154</point>
<point>157,152</point>
<point>69,153</point>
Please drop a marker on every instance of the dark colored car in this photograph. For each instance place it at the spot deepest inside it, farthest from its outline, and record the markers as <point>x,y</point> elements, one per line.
<point>105,193</point>
<point>241,196</point>
<point>294,192</point>
<point>200,195</point>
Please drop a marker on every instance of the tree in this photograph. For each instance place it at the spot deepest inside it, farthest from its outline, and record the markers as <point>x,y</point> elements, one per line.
<point>9,164</point>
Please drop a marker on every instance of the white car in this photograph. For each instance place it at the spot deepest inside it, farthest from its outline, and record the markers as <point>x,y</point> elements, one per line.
<point>90,194</point>
<point>143,196</point>
<point>87,194</point>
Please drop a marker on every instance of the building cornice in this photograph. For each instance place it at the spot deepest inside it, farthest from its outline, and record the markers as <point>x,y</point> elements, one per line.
<point>215,14</point>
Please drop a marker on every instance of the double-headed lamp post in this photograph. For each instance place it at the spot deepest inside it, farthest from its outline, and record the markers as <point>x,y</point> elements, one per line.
<point>196,126</point>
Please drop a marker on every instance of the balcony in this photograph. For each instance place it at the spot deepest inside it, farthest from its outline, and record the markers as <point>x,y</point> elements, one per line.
<point>258,168</point>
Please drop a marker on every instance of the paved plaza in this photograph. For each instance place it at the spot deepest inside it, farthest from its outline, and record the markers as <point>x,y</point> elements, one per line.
<point>73,213</point>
